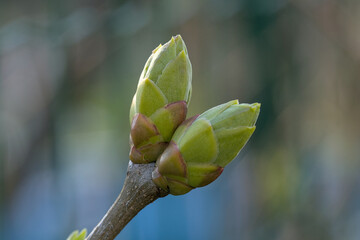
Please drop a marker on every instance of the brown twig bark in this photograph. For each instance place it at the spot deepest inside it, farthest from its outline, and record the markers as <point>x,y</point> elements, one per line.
<point>138,191</point>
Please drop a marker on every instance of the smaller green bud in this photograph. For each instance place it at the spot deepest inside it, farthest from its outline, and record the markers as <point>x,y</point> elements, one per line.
<point>160,103</point>
<point>203,145</point>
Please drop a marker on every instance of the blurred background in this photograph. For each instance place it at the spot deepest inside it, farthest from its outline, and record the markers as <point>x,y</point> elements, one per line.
<point>69,69</point>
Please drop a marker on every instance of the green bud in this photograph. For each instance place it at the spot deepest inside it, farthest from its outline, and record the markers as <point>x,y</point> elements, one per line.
<point>203,145</point>
<point>159,105</point>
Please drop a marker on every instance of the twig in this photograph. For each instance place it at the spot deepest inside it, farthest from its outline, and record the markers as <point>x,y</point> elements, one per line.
<point>138,191</point>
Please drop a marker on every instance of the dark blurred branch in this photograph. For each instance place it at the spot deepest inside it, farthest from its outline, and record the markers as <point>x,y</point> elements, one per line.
<point>138,192</point>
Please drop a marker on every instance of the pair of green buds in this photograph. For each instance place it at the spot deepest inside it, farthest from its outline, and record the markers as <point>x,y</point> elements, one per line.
<point>188,153</point>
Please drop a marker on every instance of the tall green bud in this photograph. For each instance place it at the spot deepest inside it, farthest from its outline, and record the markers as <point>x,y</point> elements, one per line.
<point>160,103</point>
<point>203,145</point>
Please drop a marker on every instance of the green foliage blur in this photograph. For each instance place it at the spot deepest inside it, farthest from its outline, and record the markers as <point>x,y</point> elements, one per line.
<point>69,69</point>
<point>76,235</point>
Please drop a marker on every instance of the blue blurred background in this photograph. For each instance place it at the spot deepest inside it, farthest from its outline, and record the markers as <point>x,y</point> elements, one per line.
<point>69,69</point>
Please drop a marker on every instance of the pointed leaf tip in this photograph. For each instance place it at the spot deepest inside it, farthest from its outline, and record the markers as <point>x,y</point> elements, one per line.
<point>175,80</point>
<point>149,98</point>
<point>231,141</point>
<point>215,111</point>
<point>157,48</point>
<point>160,59</point>
<point>236,115</point>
